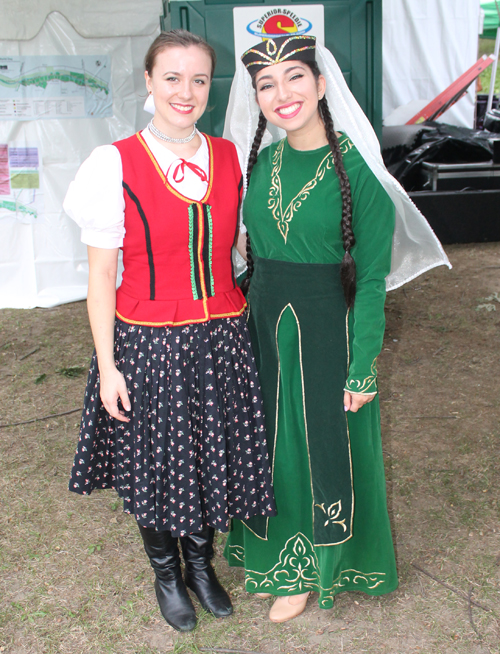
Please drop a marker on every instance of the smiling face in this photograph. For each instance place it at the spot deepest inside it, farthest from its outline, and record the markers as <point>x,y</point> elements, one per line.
<point>288,95</point>
<point>180,83</point>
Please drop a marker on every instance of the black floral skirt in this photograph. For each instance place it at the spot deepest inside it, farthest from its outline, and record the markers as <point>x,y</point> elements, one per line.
<point>194,453</point>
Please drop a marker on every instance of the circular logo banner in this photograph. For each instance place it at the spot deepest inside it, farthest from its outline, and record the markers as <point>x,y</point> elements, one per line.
<point>278,22</point>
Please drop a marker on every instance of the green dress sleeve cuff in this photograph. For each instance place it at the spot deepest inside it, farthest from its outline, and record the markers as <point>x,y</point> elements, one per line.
<point>364,385</point>
<point>373,224</point>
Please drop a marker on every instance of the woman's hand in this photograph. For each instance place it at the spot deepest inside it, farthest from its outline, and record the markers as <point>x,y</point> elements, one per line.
<point>354,401</point>
<point>113,386</point>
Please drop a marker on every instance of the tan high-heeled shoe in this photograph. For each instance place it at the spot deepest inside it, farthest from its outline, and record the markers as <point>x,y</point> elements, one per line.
<point>288,607</point>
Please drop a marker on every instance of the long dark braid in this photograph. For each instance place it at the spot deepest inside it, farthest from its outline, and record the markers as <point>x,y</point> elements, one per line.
<point>348,265</point>
<point>252,159</point>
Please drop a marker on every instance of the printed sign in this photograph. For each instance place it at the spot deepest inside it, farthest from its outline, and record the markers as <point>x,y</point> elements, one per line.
<point>24,168</point>
<point>254,24</point>
<point>4,169</point>
<point>67,86</point>
<point>20,194</point>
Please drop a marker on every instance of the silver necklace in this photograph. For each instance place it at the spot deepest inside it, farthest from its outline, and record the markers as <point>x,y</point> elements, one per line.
<point>156,132</point>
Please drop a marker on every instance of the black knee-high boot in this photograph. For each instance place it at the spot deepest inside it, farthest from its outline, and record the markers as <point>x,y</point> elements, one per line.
<point>200,576</point>
<point>173,599</point>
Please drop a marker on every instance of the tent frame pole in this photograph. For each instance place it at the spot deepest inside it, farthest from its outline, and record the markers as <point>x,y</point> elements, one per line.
<point>494,72</point>
<point>495,65</point>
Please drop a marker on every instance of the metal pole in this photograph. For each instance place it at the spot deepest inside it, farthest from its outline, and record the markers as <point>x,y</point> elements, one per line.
<point>494,65</point>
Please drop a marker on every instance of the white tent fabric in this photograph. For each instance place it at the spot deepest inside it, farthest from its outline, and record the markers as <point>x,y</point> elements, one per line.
<point>42,261</point>
<point>427,44</point>
<point>92,19</point>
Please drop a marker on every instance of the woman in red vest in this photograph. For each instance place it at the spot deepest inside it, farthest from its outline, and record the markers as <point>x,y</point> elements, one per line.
<point>173,414</point>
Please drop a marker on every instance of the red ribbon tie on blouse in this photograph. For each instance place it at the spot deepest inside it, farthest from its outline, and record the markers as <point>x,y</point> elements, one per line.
<point>180,170</point>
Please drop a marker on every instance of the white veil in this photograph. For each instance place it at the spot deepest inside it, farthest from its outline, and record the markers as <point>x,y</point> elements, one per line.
<point>415,248</point>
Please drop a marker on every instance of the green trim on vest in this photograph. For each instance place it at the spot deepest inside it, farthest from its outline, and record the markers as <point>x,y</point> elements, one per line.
<point>192,254</point>
<point>210,236</point>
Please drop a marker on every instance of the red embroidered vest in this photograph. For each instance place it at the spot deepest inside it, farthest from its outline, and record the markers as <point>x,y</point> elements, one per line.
<point>177,252</point>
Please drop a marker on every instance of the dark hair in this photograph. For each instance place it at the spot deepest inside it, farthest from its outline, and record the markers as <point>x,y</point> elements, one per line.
<point>175,39</point>
<point>348,266</point>
<point>252,160</point>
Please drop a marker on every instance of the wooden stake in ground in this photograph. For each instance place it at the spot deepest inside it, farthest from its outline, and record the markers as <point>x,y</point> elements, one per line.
<point>27,422</point>
<point>471,620</point>
<point>455,590</point>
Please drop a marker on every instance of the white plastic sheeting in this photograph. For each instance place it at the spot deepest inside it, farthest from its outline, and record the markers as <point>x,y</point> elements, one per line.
<point>427,44</point>
<point>42,261</point>
<point>92,19</point>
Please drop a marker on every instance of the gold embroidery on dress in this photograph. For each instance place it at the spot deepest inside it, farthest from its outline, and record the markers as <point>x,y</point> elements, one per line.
<point>363,385</point>
<point>332,513</point>
<point>275,202</point>
<point>297,571</point>
<point>237,552</point>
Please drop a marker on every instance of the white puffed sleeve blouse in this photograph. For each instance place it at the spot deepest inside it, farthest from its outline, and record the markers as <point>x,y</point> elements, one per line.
<point>95,198</point>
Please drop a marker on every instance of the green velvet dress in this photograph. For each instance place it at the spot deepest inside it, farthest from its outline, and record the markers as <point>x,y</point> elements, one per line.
<point>332,531</point>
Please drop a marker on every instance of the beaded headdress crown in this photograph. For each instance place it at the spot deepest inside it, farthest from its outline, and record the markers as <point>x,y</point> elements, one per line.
<point>274,51</point>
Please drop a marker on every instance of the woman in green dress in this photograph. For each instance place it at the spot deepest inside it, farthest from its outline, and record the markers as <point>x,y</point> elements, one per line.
<point>320,225</point>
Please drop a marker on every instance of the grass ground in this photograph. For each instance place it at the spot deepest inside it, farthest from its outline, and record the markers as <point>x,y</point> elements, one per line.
<point>74,578</point>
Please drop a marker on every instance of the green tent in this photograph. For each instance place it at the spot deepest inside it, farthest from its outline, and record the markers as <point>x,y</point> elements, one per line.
<point>491,19</point>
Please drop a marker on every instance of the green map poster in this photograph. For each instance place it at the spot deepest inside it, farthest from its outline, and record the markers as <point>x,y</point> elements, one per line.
<point>69,86</point>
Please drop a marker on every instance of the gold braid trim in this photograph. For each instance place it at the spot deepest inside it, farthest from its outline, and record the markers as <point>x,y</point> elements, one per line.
<point>363,386</point>
<point>275,202</point>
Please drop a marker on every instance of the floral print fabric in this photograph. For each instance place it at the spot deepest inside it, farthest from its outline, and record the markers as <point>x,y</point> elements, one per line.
<point>194,452</point>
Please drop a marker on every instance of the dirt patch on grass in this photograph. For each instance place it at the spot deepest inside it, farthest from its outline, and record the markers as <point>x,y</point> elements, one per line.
<point>74,577</point>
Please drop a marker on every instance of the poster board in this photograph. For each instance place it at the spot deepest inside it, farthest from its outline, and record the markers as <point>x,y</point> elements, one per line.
<point>42,260</point>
